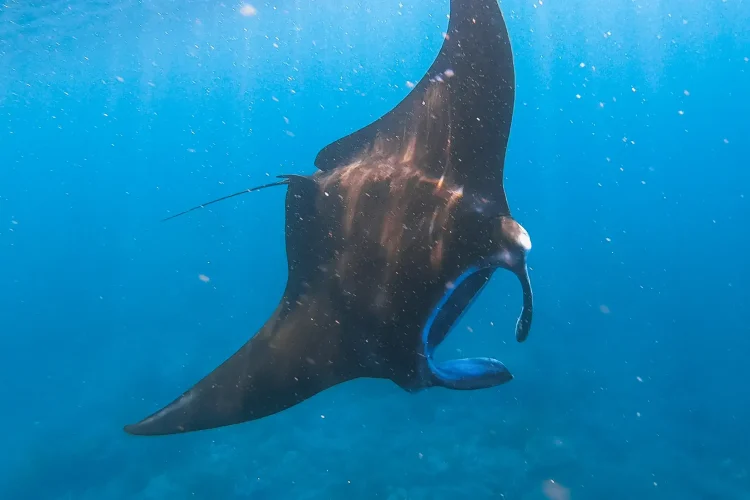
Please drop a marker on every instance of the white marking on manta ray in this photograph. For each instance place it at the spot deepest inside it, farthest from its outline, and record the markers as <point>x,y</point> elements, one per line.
<point>516,233</point>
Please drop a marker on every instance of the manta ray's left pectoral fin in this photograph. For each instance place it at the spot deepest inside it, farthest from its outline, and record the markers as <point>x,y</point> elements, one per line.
<point>469,373</point>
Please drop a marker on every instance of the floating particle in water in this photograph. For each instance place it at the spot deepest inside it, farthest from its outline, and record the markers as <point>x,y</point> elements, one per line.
<point>686,92</point>
<point>726,141</point>
<point>680,112</point>
<point>639,379</point>
<point>248,10</point>
<point>747,59</point>
<point>410,84</point>
<point>449,73</point>
<point>120,79</point>
<point>578,96</point>
<point>204,278</point>
<point>604,309</point>
<point>633,89</point>
<point>14,222</point>
<point>554,491</point>
<point>582,65</point>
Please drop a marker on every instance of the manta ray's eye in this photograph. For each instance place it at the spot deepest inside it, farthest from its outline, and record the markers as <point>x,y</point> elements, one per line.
<point>515,233</point>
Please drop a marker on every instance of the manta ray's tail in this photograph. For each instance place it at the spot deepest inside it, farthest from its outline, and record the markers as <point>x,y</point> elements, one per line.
<point>249,190</point>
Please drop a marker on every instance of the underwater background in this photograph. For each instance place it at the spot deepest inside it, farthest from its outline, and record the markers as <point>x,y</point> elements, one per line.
<point>627,164</point>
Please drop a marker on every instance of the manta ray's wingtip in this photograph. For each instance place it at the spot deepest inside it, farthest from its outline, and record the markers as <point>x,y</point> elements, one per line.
<point>160,423</point>
<point>143,428</point>
<point>133,430</point>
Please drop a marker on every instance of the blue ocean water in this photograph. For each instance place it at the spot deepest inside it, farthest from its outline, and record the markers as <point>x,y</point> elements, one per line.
<point>627,164</point>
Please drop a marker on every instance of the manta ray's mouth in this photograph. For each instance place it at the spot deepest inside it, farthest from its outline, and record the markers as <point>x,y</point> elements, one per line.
<point>473,373</point>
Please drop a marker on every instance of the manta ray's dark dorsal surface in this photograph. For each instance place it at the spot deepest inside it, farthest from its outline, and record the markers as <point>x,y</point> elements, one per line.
<point>387,245</point>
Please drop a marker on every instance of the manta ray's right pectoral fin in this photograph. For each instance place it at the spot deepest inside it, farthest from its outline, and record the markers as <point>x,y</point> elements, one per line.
<point>277,369</point>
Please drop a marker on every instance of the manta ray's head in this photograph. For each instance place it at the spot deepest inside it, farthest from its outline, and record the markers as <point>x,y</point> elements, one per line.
<point>497,241</point>
<point>483,239</point>
<point>511,243</point>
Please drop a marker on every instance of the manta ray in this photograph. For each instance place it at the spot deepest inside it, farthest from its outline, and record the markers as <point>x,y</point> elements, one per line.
<point>388,244</point>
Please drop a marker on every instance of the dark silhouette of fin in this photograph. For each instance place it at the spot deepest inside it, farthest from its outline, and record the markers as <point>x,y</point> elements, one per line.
<point>281,366</point>
<point>466,97</point>
<point>299,352</point>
